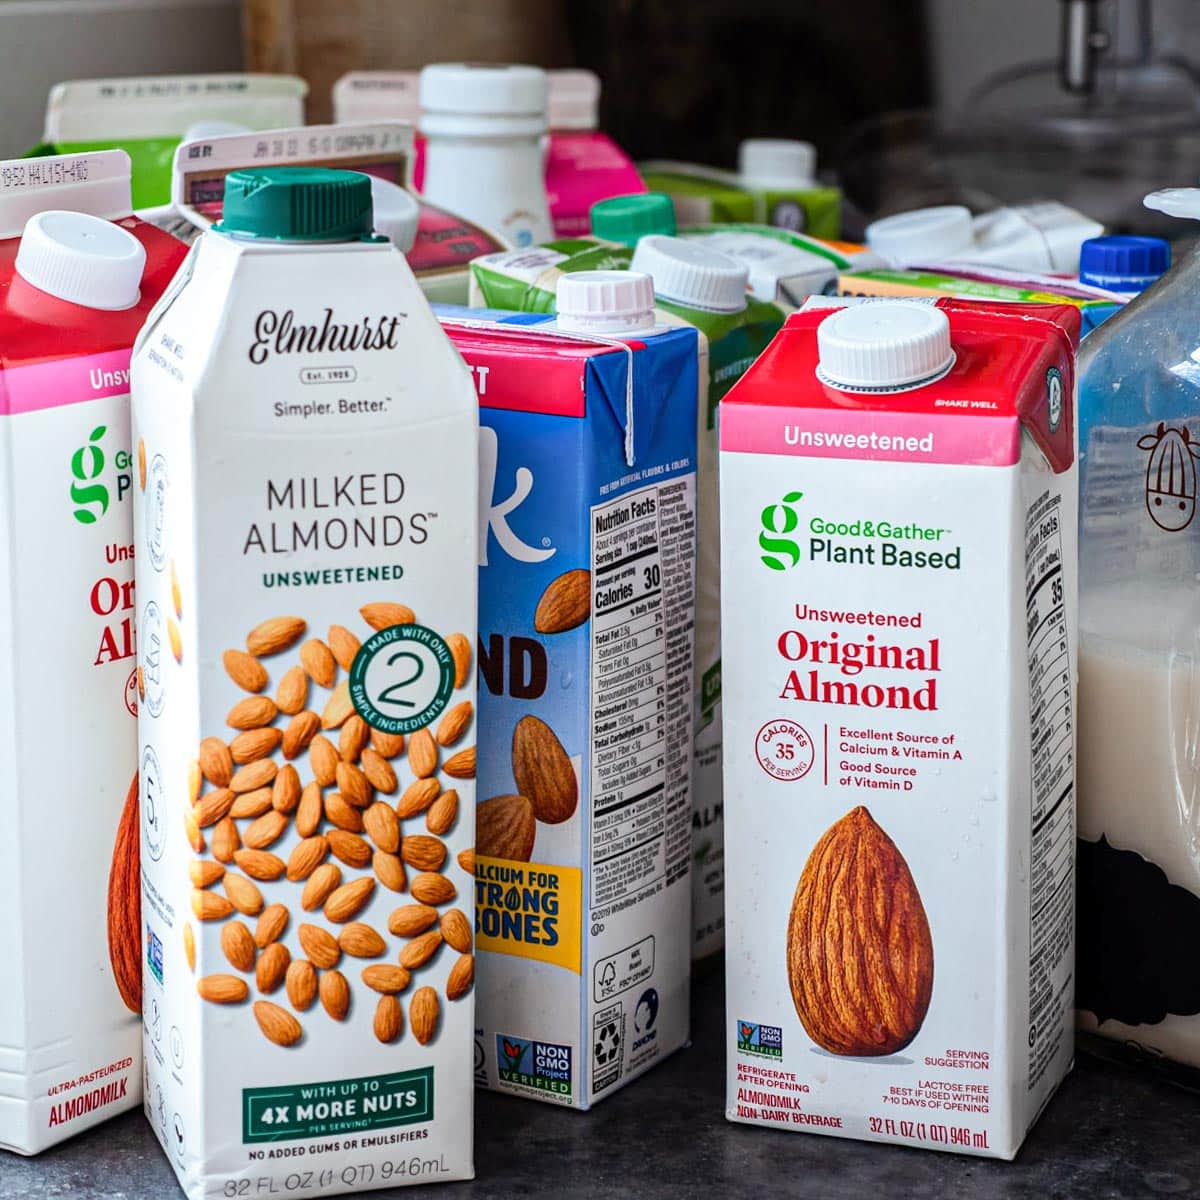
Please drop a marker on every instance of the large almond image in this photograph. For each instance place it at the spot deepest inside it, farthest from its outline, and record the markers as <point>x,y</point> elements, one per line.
<point>505,828</point>
<point>859,954</point>
<point>543,771</point>
<point>565,604</point>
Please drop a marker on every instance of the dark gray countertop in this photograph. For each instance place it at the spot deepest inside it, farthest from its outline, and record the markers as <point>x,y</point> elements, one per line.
<point>1110,1134</point>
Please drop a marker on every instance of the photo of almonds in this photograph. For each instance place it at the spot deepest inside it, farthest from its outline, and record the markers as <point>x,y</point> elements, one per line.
<point>859,951</point>
<point>301,817</point>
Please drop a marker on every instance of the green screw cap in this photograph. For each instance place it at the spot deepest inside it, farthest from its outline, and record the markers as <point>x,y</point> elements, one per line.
<point>625,219</point>
<point>297,204</point>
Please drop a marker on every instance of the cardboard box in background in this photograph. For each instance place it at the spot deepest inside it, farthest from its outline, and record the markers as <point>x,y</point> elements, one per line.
<point>323,41</point>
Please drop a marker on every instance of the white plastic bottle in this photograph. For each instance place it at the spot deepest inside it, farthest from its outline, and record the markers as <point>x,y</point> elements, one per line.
<point>483,127</point>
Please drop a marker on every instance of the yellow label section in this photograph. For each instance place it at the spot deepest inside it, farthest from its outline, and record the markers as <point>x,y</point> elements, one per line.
<point>529,910</point>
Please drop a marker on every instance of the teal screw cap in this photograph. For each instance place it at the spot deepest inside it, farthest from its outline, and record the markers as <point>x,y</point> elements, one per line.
<point>297,204</point>
<point>626,219</point>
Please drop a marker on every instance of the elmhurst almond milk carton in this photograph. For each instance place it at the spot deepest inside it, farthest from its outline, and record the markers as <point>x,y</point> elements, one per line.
<point>307,589</point>
<point>898,527</point>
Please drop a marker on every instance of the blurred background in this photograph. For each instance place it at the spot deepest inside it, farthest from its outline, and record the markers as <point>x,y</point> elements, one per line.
<point>910,101</point>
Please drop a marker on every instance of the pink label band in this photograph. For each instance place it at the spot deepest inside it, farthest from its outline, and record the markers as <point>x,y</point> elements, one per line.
<point>64,381</point>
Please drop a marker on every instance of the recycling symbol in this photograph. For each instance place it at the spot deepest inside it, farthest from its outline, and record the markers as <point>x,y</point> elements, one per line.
<point>608,1044</point>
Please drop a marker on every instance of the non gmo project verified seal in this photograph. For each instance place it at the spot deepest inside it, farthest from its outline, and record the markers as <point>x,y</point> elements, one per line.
<point>765,1041</point>
<point>537,1066</point>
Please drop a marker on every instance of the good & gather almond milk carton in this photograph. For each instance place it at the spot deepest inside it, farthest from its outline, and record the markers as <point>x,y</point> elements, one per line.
<point>307,533</point>
<point>78,275</point>
<point>898,534</point>
<point>586,635</point>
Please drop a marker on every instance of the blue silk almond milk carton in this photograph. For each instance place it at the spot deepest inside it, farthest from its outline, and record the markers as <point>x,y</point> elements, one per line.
<point>585,663</point>
<point>898,537</point>
<point>307,597</point>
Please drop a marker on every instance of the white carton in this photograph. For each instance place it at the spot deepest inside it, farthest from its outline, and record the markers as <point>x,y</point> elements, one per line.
<point>70,1049</point>
<point>308,515</point>
<point>898,541</point>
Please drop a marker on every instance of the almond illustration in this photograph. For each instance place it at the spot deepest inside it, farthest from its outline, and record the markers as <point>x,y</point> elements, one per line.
<point>306,856</point>
<point>251,804</point>
<point>265,830</point>
<point>431,888</point>
<point>320,886</point>
<point>208,906</point>
<point>382,826</point>
<point>301,984</point>
<point>203,872</point>
<point>292,694</point>
<point>317,659</point>
<point>271,925</point>
<point>216,762</point>
<point>338,707</point>
<point>252,712</point>
<point>461,765</point>
<point>387,744</point>
<point>466,860</point>
<point>320,945</point>
<point>176,591</point>
<point>309,810</point>
<point>442,813</point>
<point>565,604</point>
<point>412,919</point>
<point>212,807</point>
<point>353,784</point>
<point>259,864</point>
<point>275,635</point>
<point>343,645</point>
<point>278,1025</point>
<point>226,841</point>
<point>189,945</point>
<point>141,457</point>
<point>384,615</point>
<point>286,790</point>
<point>359,940</point>
<point>349,900</point>
<point>423,853</point>
<point>191,830</point>
<point>454,723</point>
<point>417,797</point>
<point>389,1019</point>
<point>125,904</point>
<point>254,744</point>
<point>423,1012</point>
<point>421,949</point>
<point>389,870</point>
<point>222,989</point>
<point>460,648</point>
<point>195,778</point>
<point>859,952</point>
<point>542,771</point>
<point>385,978</point>
<point>272,967</point>
<point>505,828</point>
<point>422,754</point>
<point>456,930</point>
<point>245,670</point>
<point>379,772</point>
<point>353,738</point>
<point>243,895</point>
<point>237,944</point>
<point>344,816</point>
<point>323,758</point>
<point>254,775</point>
<point>461,977</point>
<point>349,848</point>
<point>334,991</point>
<point>175,638</point>
<point>299,732</point>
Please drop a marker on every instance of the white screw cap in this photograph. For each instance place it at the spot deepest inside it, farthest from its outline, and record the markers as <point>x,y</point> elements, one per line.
<point>777,163</point>
<point>605,302</point>
<point>396,213</point>
<point>483,90</point>
<point>691,274</point>
<point>82,259</point>
<point>884,345</point>
<point>574,99</point>
<point>923,235</point>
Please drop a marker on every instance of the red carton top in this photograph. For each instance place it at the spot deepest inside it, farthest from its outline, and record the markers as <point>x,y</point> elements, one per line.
<point>1014,370</point>
<point>53,352</point>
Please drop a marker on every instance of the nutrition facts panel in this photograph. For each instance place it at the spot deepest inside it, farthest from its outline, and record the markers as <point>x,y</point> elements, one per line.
<point>1052,844</point>
<point>643,595</point>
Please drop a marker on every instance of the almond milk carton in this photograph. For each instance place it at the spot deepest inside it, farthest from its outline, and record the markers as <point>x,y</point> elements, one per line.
<point>307,542</point>
<point>898,535</point>
<point>78,275</point>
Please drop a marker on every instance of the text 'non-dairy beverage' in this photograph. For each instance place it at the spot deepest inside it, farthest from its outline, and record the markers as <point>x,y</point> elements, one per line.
<point>306,523</point>
<point>78,275</point>
<point>898,643</point>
